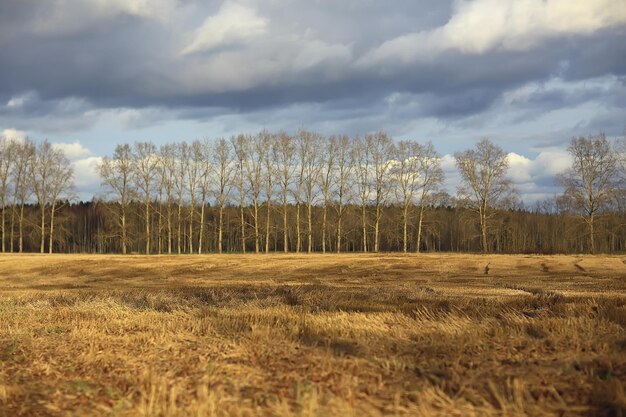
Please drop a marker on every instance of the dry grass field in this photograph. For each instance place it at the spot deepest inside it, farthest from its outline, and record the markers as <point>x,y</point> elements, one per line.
<point>345,335</point>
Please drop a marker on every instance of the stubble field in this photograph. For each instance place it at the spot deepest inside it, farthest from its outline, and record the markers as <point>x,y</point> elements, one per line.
<point>346,335</point>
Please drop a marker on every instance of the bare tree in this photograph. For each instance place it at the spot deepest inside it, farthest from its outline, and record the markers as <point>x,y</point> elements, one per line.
<point>327,164</point>
<point>205,185</point>
<point>239,147</point>
<point>193,169</point>
<point>269,172</point>
<point>61,185</point>
<point>51,176</point>
<point>592,180</point>
<point>255,152</point>
<point>484,182</point>
<point>381,148</point>
<point>22,189</point>
<point>284,155</point>
<point>116,174</point>
<point>405,172</point>
<point>167,171</point>
<point>144,166</point>
<point>343,169</point>
<point>431,177</point>
<point>222,173</point>
<point>181,160</point>
<point>7,155</point>
<point>310,150</point>
<point>362,157</point>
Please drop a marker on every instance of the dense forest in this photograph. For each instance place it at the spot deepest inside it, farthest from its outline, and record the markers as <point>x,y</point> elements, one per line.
<point>274,192</point>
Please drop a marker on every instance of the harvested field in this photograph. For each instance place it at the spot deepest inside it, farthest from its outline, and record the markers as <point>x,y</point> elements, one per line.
<point>287,335</point>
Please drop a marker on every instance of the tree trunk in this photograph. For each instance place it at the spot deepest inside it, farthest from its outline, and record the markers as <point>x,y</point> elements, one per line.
<point>339,230</point>
<point>267,229</point>
<point>180,215</point>
<point>201,228</point>
<point>169,228</point>
<point>364,225</point>
<point>483,229</point>
<point>256,226</point>
<point>12,237</point>
<point>243,231</point>
<point>52,211</point>
<point>21,244</point>
<point>419,228</point>
<point>298,238</point>
<point>324,213</point>
<point>285,238</point>
<point>310,231</point>
<point>220,232</point>
<point>592,239</point>
<point>192,209</point>
<point>3,228</point>
<point>147,223</point>
<point>43,229</point>
<point>405,220</point>
<point>376,226</point>
<point>123,219</point>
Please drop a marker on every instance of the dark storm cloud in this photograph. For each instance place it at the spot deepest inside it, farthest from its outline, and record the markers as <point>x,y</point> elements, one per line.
<point>130,55</point>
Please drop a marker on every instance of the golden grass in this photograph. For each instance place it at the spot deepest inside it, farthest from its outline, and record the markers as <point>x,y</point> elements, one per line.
<point>287,335</point>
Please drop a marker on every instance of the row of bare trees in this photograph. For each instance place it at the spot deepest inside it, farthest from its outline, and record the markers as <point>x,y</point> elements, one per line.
<point>30,173</point>
<point>301,193</point>
<point>266,173</point>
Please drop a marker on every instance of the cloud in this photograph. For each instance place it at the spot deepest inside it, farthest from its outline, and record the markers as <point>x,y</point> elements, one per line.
<point>477,27</point>
<point>13,135</point>
<point>233,23</point>
<point>72,150</point>
<point>86,177</point>
<point>64,17</point>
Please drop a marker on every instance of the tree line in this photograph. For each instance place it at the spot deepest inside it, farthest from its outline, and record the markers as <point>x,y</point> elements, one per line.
<point>275,192</point>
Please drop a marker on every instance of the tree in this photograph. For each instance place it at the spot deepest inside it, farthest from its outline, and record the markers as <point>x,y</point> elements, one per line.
<point>61,185</point>
<point>405,173</point>
<point>430,178</point>
<point>484,182</point>
<point>51,176</point>
<point>592,179</point>
<point>269,172</point>
<point>381,150</point>
<point>222,172</point>
<point>327,164</point>
<point>310,150</point>
<point>284,155</point>
<point>362,157</point>
<point>239,147</point>
<point>193,168</point>
<point>144,168</point>
<point>181,160</point>
<point>7,151</point>
<point>167,172</point>
<point>25,152</point>
<point>116,174</point>
<point>205,185</point>
<point>255,152</point>
<point>343,170</point>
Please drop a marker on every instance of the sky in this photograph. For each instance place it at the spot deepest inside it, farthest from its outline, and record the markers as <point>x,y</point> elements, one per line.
<point>528,74</point>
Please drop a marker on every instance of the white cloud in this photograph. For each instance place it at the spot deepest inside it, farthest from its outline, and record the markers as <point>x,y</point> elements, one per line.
<point>547,164</point>
<point>86,176</point>
<point>533,178</point>
<point>72,150</point>
<point>233,23</point>
<point>13,135</point>
<point>511,25</point>
<point>61,17</point>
